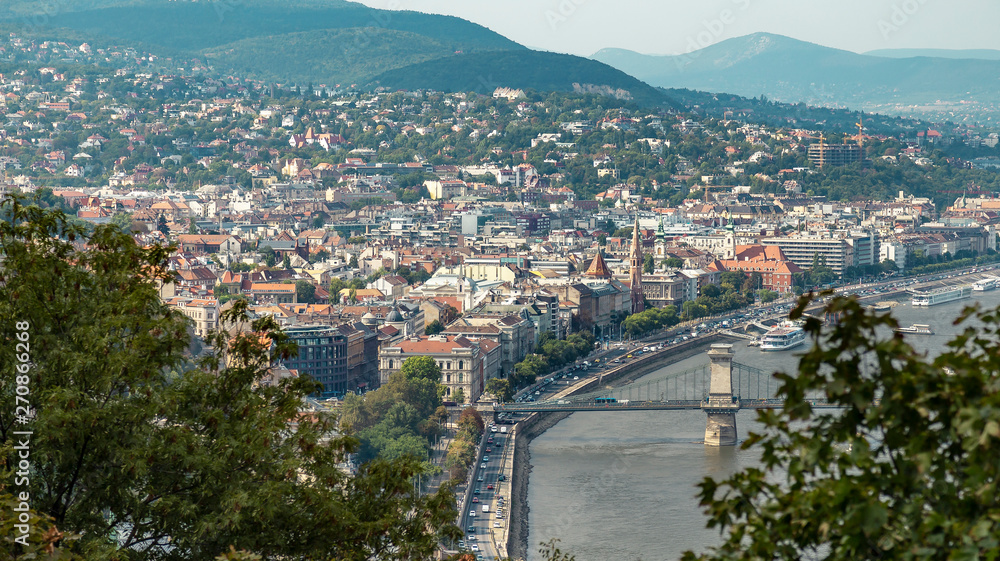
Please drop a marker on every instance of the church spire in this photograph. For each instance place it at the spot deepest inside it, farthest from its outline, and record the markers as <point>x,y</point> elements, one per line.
<point>635,269</point>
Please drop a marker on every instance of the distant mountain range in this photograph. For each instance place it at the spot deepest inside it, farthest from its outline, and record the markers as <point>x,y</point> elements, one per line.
<point>332,42</point>
<point>789,70</point>
<point>983,54</point>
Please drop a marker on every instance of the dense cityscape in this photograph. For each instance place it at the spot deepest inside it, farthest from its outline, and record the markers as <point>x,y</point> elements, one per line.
<point>375,286</point>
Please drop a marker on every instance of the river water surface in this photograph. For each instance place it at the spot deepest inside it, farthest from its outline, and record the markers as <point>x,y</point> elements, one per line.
<point>621,485</point>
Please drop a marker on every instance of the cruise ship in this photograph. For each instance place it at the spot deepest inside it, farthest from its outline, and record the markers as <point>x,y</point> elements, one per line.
<point>941,296</point>
<point>985,284</point>
<point>786,336</point>
<point>916,329</point>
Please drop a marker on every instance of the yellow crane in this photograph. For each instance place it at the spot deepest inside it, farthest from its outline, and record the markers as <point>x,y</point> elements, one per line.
<point>860,137</point>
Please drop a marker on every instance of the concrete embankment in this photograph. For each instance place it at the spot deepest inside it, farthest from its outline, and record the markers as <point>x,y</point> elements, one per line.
<point>537,423</point>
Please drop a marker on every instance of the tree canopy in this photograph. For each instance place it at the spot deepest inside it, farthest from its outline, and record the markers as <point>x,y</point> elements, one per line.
<point>421,368</point>
<point>905,468</point>
<point>141,451</point>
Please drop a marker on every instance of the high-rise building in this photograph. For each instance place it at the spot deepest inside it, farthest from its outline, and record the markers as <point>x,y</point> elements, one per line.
<point>803,250</point>
<point>322,355</point>
<point>822,155</point>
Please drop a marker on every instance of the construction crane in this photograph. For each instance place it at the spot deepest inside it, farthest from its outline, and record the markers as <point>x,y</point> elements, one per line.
<point>860,137</point>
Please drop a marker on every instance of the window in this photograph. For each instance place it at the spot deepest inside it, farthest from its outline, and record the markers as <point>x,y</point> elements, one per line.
<point>390,364</point>
<point>459,377</point>
<point>461,365</point>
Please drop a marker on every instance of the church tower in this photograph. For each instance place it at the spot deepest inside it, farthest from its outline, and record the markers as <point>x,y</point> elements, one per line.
<point>635,270</point>
<point>660,247</point>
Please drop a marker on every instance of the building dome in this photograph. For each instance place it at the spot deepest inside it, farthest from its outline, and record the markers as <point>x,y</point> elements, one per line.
<point>394,316</point>
<point>369,319</point>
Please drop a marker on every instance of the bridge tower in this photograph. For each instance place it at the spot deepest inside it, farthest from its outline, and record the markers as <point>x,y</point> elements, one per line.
<point>721,406</point>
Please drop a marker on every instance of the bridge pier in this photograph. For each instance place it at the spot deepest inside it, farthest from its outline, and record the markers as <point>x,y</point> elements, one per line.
<point>721,406</point>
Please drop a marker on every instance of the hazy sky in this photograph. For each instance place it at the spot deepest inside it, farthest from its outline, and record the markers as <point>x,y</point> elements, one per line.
<point>583,27</point>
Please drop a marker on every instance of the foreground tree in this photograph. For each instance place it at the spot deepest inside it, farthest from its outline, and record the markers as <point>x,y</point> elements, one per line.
<point>906,468</point>
<point>142,452</point>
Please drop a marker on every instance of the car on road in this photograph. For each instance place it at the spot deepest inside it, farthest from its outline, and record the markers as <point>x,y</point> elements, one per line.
<point>477,491</point>
<point>474,547</point>
<point>480,478</point>
<point>475,499</point>
<point>489,487</point>
<point>488,450</point>
<point>576,377</point>
<point>502,478</point>
<point>496,523</point>
<point>482,466</point>
<point>472,530</point>
<point>472,513</point>
<point>486,459</point>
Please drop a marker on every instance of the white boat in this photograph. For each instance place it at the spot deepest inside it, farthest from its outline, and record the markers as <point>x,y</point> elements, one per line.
<point>986,284</point>
<point>916,329</point>
<point>786,336</point>
<point>942,295</point>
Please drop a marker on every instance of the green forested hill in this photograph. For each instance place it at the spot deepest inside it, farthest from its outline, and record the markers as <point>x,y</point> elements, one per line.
<point>331,42</point>
<point>194,26</point>
<point>327,56</point>
<point>483,72</point>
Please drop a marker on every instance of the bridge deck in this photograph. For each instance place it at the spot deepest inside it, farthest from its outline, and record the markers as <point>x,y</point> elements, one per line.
<point>643,405</point>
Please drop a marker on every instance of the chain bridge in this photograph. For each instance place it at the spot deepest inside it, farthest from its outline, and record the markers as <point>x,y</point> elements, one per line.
<point>720,388</point>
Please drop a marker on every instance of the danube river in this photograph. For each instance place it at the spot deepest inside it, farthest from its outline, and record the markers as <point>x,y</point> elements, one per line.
<point>622,485</point>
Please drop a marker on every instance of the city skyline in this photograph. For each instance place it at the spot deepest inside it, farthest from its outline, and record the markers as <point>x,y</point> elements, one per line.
<point>581,27</point>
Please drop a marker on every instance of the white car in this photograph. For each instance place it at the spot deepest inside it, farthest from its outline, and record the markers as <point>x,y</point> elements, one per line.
<point>474,547</point>
<point>496,523</point>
